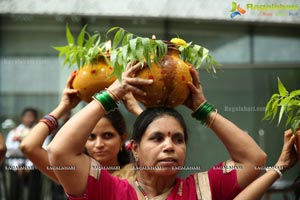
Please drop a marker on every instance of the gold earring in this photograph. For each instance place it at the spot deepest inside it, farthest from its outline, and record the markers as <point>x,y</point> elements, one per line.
<point>136,158</point>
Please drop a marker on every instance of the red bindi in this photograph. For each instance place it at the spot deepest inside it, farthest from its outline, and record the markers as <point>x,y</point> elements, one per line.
<point>169,134</point>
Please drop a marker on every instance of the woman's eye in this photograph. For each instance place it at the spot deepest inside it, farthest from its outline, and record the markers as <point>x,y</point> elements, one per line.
<point>92,136</point>
<point>178,139</point>
<point>157,138</point>
<point>107,135</point>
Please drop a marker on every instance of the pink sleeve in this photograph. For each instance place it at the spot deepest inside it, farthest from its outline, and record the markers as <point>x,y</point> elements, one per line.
<point>223,184</point>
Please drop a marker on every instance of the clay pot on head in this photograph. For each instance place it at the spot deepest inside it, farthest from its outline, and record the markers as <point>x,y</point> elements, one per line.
<point>93,78</point>
<point>170,75</point>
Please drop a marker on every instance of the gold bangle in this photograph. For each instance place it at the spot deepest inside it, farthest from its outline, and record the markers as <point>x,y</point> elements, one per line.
<point>212,121</point>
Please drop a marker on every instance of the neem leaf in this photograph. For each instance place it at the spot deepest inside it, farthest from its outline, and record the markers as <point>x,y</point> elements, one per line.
<point>295,93</point>
<point>112,29</point>
<point>113,56</point>
<point>274,108</point>
<point>282,90</point>
<point>280,114</point>
<point>118,38</point>
<point>81,35</point>
<point>132,45</point>
<point>126,38</point>
<point>69,36</point>
<point>285,101</point>
<point>147,47</point>
<point>289,117</point>
<point>140,51</point>
<point>295,124</point>
<point>124,51</point>
<point>90,42</point>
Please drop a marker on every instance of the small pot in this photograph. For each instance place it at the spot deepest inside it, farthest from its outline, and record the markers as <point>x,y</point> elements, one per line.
<point>93,78</point>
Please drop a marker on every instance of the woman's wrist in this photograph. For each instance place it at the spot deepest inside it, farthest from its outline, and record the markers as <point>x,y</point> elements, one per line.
<point>203,112</point>
<point>59,111</point>
<point>50,121</point>
<point>106,100</point>
<point>275,169</point>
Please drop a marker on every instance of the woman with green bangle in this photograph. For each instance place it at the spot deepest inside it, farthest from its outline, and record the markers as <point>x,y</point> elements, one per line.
<point>158,146</point>
<point>104,144</point>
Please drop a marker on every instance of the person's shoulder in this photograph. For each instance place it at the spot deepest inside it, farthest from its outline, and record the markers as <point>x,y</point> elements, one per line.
<point>126,172</point>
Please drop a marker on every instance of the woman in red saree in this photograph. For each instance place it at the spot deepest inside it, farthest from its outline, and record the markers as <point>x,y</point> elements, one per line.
<point>159,149</point>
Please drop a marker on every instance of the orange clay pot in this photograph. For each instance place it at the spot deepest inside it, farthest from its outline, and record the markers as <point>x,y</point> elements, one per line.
<point>169,88</point>
<point>93,78</point>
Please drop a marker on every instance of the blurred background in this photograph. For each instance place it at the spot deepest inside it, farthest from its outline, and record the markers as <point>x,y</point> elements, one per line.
<point>254,49</point>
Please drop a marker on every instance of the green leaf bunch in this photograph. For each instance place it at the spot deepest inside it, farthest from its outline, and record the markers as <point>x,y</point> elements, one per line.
<point>197,55</point>
<point>130,48</point>
<point>286,103</point>
<point>83,51</point>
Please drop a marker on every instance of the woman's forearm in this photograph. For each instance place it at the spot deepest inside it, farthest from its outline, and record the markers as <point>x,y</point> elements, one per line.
<point>241,147</point>
<point>32,145</point>
<point>258,187</point>
<point>35,139</point>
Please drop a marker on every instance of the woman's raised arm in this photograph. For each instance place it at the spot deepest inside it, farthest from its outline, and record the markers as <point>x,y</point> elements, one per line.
<point>242,148</point>
<point>32,145</point>
<point>287,159</point>
<point>65,150</point>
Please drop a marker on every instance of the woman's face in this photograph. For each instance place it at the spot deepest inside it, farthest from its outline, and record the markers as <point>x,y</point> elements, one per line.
<point>104,143</point>
<point>162,146</point>
<point>28,119</point>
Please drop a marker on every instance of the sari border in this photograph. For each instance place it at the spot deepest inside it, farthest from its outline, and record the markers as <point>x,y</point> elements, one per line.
<point>202,186</point>
<point>95,169</point>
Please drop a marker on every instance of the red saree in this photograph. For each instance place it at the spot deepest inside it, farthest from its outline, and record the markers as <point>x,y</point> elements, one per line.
<point>214,184</point>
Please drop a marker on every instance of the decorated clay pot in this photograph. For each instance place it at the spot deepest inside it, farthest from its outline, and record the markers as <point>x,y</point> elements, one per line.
<point>93,78</point>
<point>170,75</point>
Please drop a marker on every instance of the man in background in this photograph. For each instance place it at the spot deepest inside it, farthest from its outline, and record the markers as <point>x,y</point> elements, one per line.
<point>2,148</point>
<point>22,171</point>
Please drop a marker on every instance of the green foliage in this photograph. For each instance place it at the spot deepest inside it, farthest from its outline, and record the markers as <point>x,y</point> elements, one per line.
<point>88,48</point>
<point>289,105</point>
<point>196,55</point>
<point>129,48</point>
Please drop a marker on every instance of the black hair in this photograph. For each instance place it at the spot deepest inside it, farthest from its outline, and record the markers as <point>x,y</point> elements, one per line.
<point>118,122</point>
<point>32,110</point>
<point>149,115</point>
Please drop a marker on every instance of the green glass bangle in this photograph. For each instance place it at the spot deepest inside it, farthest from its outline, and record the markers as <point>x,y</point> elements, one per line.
<point>106,100</point>
<point>203,112</point>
